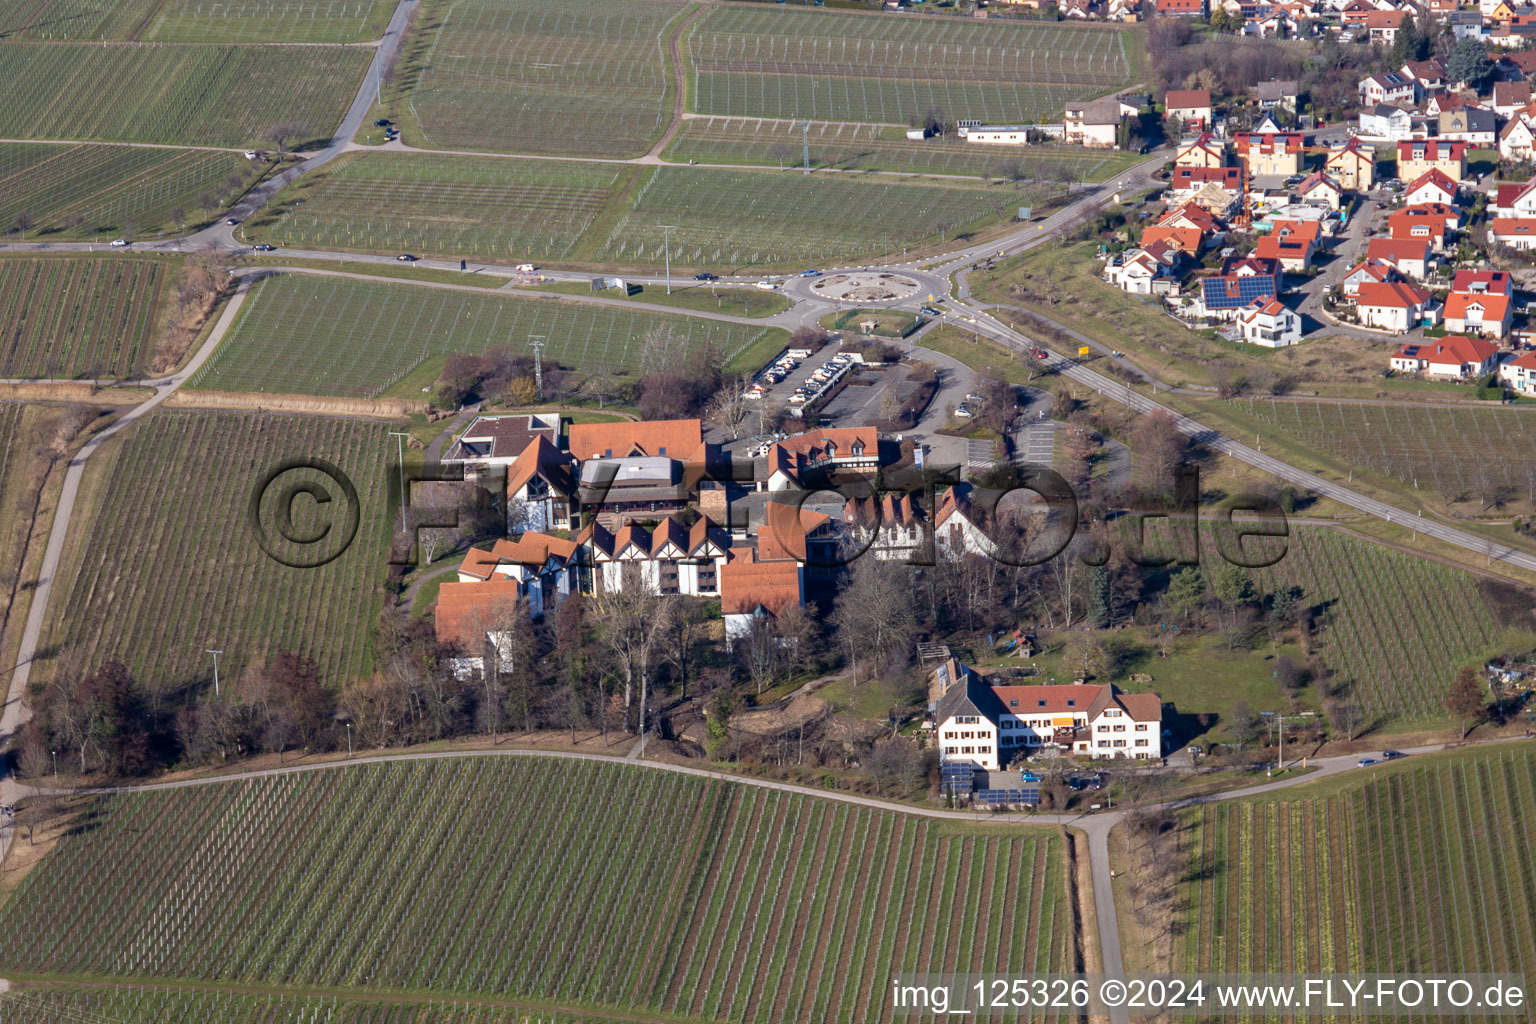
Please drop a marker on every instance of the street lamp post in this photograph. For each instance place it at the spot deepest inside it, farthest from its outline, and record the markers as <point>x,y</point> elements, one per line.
<point>666,235</point>
<point>215,669</point>
<point>55,754</point>
<point>349,739</point>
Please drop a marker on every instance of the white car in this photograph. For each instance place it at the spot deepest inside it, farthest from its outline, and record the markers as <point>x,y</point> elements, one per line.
<point>963,413</point>
<point>767,286</point>
<point>250,154</point>
<point>796,399</point>
<point>526,268</point>
<point>118,243</point>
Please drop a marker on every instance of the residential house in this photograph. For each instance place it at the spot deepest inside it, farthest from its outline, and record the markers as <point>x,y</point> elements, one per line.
<point>1292,244</point>
<point>493,443</point>
<point>1189,241</point>
<point>1517,199</point>
<point>1452,357</point>
<point>1190,108</point>
<point>1181,8</point>
<point>1396,307</point>
<point>668,558</point>
<point>1516,66</point>
<point>543,566</point>
<point>889,526</point>
<point>1143,271</point>
<point>1387,87</point>
<point>1430,222</point>
<point>1487,314</point>
<point>1269,323</point>
<point>1431,187</point>
<point>1509,97</point>
<point>1318,187</point>
<point>1352,165</point>
<point>1223,296</point>
<point>1206,150</point>
<point>673,439</point>
<point>1385,122</point>
<point>1517,140</point>
<point>1382,26</point>
<point>1276,94</point>
<point>1185,183</point>
<point>1482,282</point>
<point>800,462</point>
<point>477,618</point>
<point>755,591</point>
<point>1095,123</point>
<point>1516,232</point>
<point>1429,76</point>
<point>1408,256</point>
<point>1366,272</point>
<point>1519,373</point>
<point>1418,156</point>
<point>542,491</point>
<point>1277,153</point>
<point>959,527</point>
<point>991,726</point>
<point>1190,215</point>
<point>1476,126</point>
<point>1000,134</point>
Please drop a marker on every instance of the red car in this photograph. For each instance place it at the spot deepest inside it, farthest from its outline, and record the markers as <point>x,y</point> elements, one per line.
<point>1040,353</point>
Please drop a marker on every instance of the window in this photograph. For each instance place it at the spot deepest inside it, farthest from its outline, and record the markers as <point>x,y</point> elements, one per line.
<point>1071,702</point>
<point>1141,743</point>
<point>1141,726</point>
<point>1013,703</point>
<point>1103,743</point>
<point>1118,743</point>
<point>1042,703</point>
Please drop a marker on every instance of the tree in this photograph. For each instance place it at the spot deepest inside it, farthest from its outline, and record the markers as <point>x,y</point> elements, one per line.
<point>22,223</point>
<point>75,222</point>
<point>896,765</point>
<point>1084,654</point>
<point>280,132</point>
<point>1465,699</point>
<point>1159,449</point>
<point>1469,63</point>
<point>781,151</point>
<point>730,406</point>
<point>294,681</point>
<point>1345,715</point>
<point>874,609</point>
<point>1185,593</point>
<point>179,215</point>
<point>634,624</point>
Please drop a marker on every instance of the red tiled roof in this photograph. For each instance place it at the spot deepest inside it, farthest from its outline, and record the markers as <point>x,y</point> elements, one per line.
<point>1392,295</point>
<point>1183,99</point>
<point>1383,19</point>
<point>1454,349</point>
<point>1395,250</point>
<point>1496,282</point>
<point>747,584</point>
<point>1507,226</point>
<point>1432,149</point>
<point>1086,699</point>
<point>531,549</point>
<point>465,611</point>
<point>676,439</point>
<point>1433,176</point>
<point>1495,307</point>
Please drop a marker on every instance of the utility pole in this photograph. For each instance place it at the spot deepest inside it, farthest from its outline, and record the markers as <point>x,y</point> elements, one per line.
<point>215,669</point>
<point>400,452</point>
<point>536,341</point>
<point>805,143</point>
<point>666,233</point>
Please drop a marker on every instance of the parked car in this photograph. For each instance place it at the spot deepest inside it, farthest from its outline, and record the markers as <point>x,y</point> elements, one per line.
<point>526,268</point>
<point>231,221</point>
<point>964,412</point>
<point>266,247</point>
<point>118,243</point>
<point>250,154</point>
<point>705,275</point>
<point>382,122</point>
<point>1366,762</point>
<point>405,257</point>
<point>1028,777</point>
<point>972,396</point>
<point>1392,755</point>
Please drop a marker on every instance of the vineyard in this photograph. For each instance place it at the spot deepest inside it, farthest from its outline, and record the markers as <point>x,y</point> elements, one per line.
<point>544,76</point>
<point>333,336</point>
<point>1425,867</point>
<point>1394,626</point>
<point>200,95</point>
<point>78,316</point>
<point>735,218</point>
<point>270,21</point>
<point>103,190</point>
<point>1460,453</point>
<point>575,884</point>
<point>868,147</point>
<point>456,205</point>
<point>845,67</point>
<point>172,565</point>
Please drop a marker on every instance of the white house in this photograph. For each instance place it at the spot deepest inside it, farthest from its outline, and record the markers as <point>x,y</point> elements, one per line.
<point>1269,323</point>
<point>1386,122</point>
<point>1389,87</point>
<point>1452,357</point>
<point>990,726</point>
<point>543,566</point>
<point>1515,232</point>
<point>669,559</point>
<point>495,442</point>
<point>1395,306</point>
<point>1517,140</point>
<point>1000,134</point>
<point>1431,187</point>
<point>1519,373</point>
<point>1140,271</point>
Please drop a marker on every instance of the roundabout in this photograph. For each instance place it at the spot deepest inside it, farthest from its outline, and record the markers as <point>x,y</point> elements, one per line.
<point>864,286</point>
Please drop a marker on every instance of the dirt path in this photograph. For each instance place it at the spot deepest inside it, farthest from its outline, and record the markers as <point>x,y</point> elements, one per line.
<point>679,86</point>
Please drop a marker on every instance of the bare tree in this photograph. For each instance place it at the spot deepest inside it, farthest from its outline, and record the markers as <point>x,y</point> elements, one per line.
<point>874,609</point>
<point>781,151</point>
<point>634,622</point>
<point>730,407</point>
<point>22,223</point>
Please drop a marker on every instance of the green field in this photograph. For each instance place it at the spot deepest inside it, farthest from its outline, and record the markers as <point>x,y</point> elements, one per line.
<point>869,147</point>
<point>185,571</point>
<point>197,21</point>
<point>1395,626</point>
<point>746,218</point>
<point>114,190</point>
<point>194,95</point>
<point>460,205</point>
<point>270,21</point>
<point>1462,454</point>
<point>749,60</point>
<point>78,316</point>
<point>574,77</point>
<point>576,885</point>
<point>1422,866</point>
<point>310,335</point>
<point>496,208</point>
